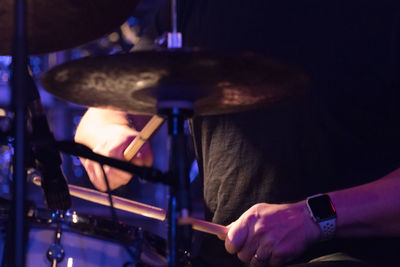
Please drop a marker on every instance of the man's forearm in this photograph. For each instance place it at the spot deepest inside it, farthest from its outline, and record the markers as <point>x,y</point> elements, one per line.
<point>370,209</point>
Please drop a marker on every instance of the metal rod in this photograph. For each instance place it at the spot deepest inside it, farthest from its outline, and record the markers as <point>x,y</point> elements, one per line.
<point>179,237</point>
<point>174,16</point>
<point>16,246</point>
<point>174,37</point>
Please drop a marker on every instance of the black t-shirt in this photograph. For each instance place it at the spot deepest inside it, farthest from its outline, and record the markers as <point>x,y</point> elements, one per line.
<point>344,132</point>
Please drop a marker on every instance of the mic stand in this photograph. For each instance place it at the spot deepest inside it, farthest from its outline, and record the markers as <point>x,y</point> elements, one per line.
<point>15,245</point>
<point>147,173</point>
<point>47,159</point>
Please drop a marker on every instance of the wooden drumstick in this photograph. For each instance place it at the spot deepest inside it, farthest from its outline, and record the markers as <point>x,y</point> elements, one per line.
<point>144,210</point>
<point>142,137</point>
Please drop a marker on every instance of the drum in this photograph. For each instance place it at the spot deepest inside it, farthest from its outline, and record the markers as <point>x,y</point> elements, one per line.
<point>78,240</point>
<point>79,250</point>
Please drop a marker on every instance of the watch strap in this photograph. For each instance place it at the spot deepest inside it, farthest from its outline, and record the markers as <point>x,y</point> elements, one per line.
<point>326,224</point>
<point>328,229</point>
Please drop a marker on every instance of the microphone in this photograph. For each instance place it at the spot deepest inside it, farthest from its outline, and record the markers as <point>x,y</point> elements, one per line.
<point>47,158</point>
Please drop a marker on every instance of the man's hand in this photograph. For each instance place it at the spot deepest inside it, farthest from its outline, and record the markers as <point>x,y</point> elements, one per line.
<point>116,140</point>
<point>108,133</point>
<point>271,235</point>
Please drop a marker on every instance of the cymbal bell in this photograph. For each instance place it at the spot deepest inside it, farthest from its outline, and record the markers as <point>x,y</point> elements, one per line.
<point>57,25</point>
<point>215,82</point>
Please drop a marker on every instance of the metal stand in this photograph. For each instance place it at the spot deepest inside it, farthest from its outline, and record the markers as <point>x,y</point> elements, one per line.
<point>55,253</point>
<point>179,237</point>
<point>16,240</point>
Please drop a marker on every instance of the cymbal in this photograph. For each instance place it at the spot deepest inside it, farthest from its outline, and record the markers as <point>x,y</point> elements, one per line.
<point>215,82</point>
<point>58,25</point>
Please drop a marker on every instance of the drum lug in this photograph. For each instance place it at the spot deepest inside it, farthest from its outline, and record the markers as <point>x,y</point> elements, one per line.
<point>55,253</point>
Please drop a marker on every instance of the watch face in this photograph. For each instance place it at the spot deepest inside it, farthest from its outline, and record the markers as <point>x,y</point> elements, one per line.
<point>321,207</point>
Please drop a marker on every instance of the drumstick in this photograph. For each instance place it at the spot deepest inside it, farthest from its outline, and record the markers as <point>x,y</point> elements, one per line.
<point>119,203</point>
<point>204,226</point>
<point>144,210</point>
<point>142,137</point>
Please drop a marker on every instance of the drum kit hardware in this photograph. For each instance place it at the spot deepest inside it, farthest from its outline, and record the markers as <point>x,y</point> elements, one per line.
<point>139,208</point>
<point>172,84</point>
<point>65,237</point>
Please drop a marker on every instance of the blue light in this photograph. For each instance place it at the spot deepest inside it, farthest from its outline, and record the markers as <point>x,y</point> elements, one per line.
<point>5,61</point>
<point>194,171</point>
<point>76,161</point>
<point>133,21</point>
<point>78,172</point>
<point>35,64</point>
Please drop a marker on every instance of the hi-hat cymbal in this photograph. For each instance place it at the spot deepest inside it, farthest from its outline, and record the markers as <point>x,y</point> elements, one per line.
<point>215,82</point>
<point>57,25</point>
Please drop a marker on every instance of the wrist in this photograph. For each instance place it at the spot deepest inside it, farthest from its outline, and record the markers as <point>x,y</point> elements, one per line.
<point>312,229</point>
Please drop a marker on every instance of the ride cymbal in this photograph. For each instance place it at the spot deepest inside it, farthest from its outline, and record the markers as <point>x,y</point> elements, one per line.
<point>57,25</point>
<point>215,82</point>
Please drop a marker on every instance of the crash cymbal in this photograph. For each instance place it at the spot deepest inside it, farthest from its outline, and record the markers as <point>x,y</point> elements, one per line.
<point>215,82</point>
<point>57,25</point>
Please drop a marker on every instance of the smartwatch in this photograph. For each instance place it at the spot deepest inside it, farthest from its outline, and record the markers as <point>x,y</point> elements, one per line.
<point>323,213</point>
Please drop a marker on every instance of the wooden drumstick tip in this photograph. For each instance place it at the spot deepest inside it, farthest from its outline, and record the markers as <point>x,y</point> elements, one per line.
<point>142,137</point>
<point>204,226</point>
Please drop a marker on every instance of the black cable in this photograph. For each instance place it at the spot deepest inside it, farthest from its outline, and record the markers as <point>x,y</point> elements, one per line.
<point>147,173</point>
<point>114,216</point>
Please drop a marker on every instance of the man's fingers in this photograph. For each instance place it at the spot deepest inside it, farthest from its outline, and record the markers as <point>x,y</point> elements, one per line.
<point>236,237</point>
<point>248,250</point>
<point>144,157</point>
<point>93,170</point>
<point>114,149</point>
<point>116,177</point>
<point>262,256</point>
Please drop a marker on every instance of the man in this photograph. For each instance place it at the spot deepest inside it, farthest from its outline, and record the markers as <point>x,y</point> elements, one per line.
<point>341,139</point>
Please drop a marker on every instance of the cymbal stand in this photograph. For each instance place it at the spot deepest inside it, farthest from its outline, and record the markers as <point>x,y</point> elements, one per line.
<point>179,237</point>
<point>174,37</point>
